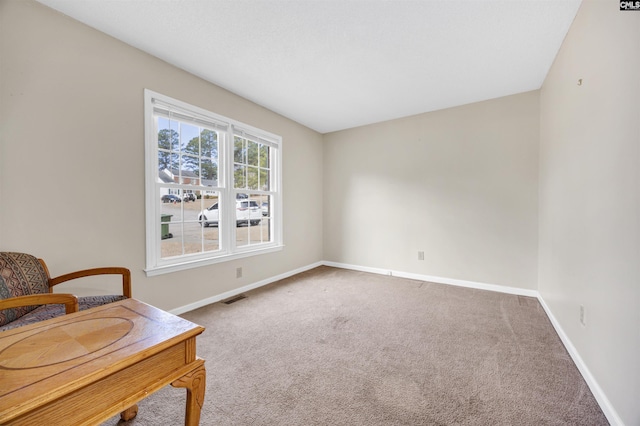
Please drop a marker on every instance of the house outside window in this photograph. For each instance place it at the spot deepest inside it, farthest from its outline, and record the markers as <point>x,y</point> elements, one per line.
<point>213,187</point>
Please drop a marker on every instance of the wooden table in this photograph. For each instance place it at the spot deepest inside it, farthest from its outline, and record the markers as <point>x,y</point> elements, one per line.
<point>85,367</point>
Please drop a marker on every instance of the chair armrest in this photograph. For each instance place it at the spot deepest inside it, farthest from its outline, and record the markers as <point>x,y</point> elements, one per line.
<point>68,300</point>
<point>114,270</point>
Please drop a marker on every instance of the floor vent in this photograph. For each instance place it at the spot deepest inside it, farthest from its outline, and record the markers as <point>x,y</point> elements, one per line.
<point>234,299</point>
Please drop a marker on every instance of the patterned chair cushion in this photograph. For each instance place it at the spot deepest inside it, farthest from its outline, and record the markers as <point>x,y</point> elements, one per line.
<point>20,275</point>
<point>45,312</point>
<point>87,302</point>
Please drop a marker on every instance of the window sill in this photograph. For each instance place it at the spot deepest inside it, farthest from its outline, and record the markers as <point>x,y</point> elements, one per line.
<point>190,264</point>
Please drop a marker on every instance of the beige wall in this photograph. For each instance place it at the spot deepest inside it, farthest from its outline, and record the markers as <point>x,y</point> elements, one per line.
<point>459,184</point>
<point>72,165</point>
<point>590,197</point>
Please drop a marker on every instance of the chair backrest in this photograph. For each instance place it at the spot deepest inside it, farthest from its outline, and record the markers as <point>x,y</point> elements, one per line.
<point>20,275</point>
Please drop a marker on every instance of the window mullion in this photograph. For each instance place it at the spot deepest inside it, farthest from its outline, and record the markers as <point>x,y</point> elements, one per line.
<point>229,193</point>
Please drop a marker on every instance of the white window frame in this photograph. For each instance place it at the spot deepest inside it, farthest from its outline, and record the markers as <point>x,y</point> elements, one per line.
<point>228,250</point>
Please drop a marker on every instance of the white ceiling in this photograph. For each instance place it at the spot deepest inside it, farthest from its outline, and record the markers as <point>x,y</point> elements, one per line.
<point>336,64</point>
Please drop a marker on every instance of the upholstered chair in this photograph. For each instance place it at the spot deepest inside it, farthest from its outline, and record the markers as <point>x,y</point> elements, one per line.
<point>26,290</point>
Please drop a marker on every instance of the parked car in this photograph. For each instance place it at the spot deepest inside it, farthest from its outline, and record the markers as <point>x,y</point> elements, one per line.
<point>247,211</point>
<point>189,196</point>
<point>170,198</point>
<point>265,209</point>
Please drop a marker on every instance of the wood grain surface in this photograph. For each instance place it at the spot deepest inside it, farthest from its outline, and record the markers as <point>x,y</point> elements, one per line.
<point>87,366</point>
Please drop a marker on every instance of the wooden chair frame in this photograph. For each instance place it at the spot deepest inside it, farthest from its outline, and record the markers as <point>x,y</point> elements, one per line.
<point>69,300</point>
<point>111,270</point>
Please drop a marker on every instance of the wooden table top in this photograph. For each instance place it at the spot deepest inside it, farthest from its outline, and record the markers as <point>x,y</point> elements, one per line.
<point>43,361</point>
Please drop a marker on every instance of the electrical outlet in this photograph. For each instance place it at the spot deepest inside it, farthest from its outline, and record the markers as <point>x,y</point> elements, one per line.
<point>420,255</point>
<point>238,272</point>
<point>583,315</point>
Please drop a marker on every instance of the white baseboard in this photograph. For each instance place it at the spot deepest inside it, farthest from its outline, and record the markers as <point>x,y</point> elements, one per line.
<point>596,390</point>
<point>236,291</point>
<point>439,280</point>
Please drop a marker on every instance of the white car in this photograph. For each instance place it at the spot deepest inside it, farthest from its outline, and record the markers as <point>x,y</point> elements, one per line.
<point>247,211</point>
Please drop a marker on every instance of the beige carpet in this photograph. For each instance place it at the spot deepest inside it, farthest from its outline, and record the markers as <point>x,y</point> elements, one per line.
<point>338,347</point>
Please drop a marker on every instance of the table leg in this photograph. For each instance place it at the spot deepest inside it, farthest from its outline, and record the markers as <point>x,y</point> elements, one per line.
<point>194,381</point>
<point>129,413</point>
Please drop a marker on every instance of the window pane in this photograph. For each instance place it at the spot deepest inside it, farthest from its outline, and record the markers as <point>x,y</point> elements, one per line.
<point>191,168</point>
<point>171,205</point>
<point>242,236</point>
<point>209,214</point>
<point>192,238</point>
<point>168,143</point>
<point>189,138</point>
<point>209,144</point>
<point>253,152</point>
<point>239,150</point>
<point>265,230</point>
<point>239,176</point>
<point>208,172</point>
<point>181,229</point>
<point>252,233</point>
<point>211,239</point>
<point>168,135</point>
<point>171,244</point>
<point>247,211</point>
<point>252,178</point>
<point>188,177</point>
<point>174,165</point>
<point>242,212</point>
<point>252,222</point>
<point>264,180</point>
<point>264,227</point>
<point>264,156</point>
<point>169,162</point>
<point>265,205</point>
